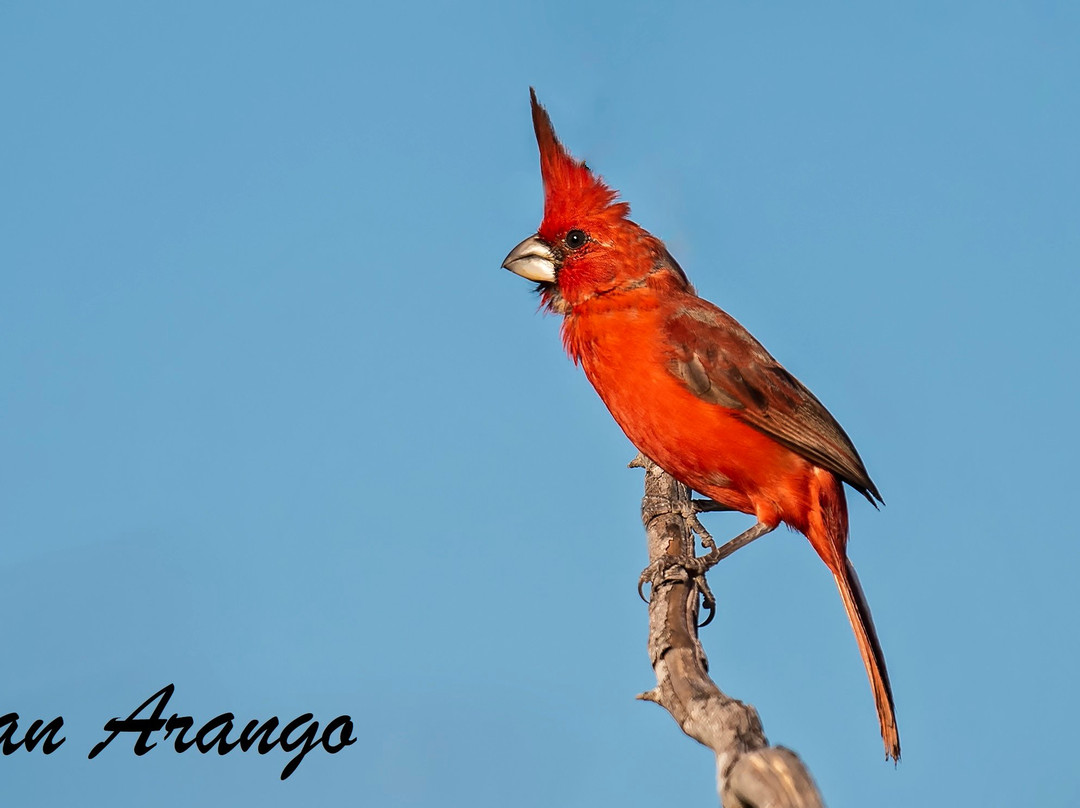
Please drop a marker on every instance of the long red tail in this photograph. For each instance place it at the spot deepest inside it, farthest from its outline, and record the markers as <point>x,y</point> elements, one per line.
<point>827,529</point>
<point>858,612</point>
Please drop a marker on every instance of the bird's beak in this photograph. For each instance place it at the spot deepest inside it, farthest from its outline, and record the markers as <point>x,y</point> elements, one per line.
<point>532,259</point>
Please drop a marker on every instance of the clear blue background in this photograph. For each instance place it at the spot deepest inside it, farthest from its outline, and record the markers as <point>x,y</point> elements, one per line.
<point>277,428</point>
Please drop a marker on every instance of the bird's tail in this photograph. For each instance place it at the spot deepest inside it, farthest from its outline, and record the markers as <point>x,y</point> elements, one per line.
<point>858,612</point>
<point>828,533</point>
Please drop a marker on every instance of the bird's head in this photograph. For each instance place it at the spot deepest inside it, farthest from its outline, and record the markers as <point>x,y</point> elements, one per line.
<point>586,245</point>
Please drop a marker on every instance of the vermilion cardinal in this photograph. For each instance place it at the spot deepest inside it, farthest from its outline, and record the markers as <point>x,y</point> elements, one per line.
<point>690,387</point>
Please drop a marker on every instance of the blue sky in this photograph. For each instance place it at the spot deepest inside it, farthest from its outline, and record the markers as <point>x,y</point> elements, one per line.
<point>278,429</point>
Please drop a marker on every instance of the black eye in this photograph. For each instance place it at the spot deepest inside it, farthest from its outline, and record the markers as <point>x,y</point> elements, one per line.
<point>575,239</point>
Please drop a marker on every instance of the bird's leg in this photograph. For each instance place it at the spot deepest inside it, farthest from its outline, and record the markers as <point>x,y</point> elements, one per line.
<point>708,506</point>
<point>695,568</point>
<point>698,566</point>
<point>718,554</point>
<point>705,506</point>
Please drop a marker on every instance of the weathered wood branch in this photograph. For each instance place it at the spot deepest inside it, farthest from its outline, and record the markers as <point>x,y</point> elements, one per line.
<point>749,772</point>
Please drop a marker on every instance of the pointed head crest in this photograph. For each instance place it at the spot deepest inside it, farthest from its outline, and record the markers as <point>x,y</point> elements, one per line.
<point>573,195</point>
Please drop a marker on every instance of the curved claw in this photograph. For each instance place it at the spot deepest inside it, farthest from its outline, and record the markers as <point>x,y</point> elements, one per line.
<point>641,587</point>
<point>650,575</point>
<point>711,606</point>
<point>708,600</point>
<point>654,573</point>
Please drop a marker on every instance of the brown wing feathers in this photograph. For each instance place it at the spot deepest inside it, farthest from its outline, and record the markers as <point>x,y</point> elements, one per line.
<point>724,365</point>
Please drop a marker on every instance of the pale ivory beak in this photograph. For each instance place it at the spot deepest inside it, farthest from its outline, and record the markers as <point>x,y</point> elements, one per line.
<point>532,259</point>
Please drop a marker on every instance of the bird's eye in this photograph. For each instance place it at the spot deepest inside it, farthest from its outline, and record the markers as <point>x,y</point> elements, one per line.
<point>575,239</point>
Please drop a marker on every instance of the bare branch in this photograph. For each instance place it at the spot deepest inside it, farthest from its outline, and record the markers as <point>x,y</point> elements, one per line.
<point>749,772</point>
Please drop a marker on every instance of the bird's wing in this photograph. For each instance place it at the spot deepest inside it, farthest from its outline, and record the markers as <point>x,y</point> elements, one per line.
<point>719,361</point>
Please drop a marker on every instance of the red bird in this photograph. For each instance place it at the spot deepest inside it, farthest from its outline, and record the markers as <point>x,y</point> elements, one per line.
<point>690,387</point>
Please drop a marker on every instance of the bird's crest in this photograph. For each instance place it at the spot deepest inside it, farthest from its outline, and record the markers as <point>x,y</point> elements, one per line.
<point>572,193</point>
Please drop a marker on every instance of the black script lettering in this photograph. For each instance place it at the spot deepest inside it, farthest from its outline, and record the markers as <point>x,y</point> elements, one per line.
<point>250,734</point>
<point>144,726</point>
<point>9,724</point>
<point>346,734</point>
<point>307,738</point>
<point>343,724</point>
<point>224,721</point>
<point>301,733</point>
<point>182,723</point>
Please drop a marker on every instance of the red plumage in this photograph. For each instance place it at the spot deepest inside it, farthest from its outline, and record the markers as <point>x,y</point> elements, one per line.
<point>689,386</point>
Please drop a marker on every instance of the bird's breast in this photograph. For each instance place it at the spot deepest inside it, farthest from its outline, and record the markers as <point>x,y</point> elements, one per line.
<point>625,355</point>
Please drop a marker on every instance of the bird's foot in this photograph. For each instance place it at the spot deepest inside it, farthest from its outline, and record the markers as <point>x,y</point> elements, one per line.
<point>671,569</point>
<point>692,570</point>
